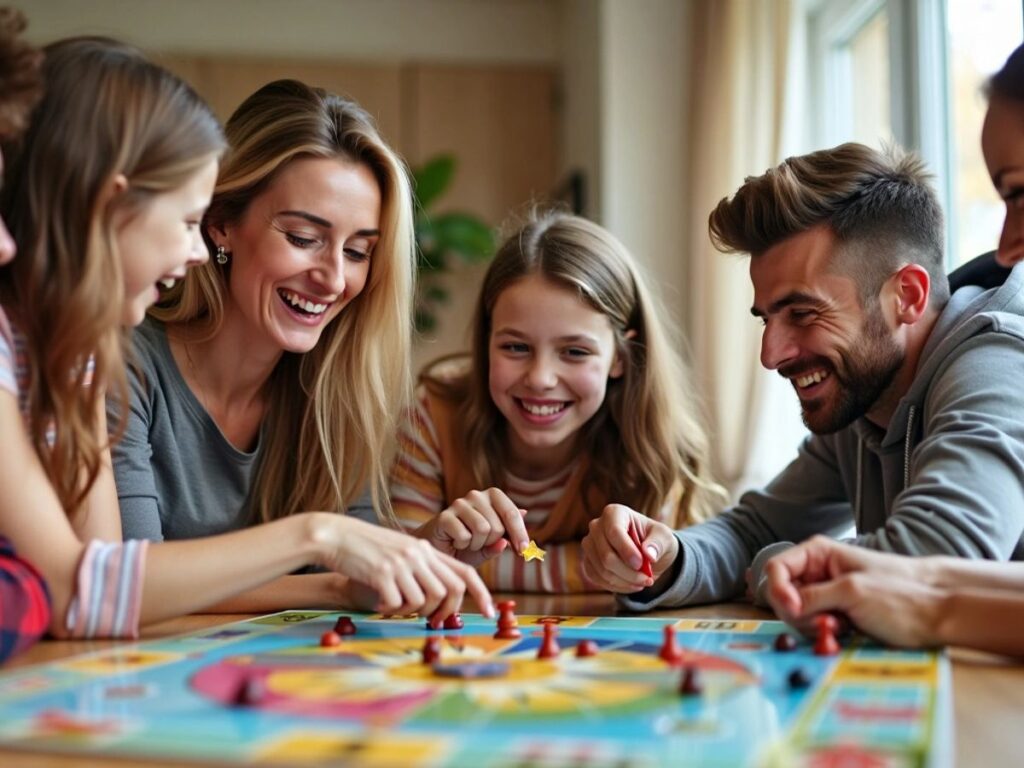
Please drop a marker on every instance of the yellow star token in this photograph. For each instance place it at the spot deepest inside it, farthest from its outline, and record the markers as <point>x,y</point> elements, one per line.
<point>533,552</point>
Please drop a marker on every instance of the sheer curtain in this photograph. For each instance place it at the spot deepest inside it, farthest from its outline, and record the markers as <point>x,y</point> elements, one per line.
<point>747,115</point>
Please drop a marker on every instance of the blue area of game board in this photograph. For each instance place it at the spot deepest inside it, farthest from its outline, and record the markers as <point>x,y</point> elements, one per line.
<point>177,722</point>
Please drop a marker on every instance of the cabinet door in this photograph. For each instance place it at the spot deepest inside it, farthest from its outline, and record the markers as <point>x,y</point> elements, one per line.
<point>500,124</point>
<point>226,81</point>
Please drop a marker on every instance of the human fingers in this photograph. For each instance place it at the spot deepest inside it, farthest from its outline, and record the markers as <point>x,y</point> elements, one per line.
<point>390,600</point>
<point>604,549</point>
<point>453,530</point>
<point>474,586</point>
<point>511,517</point>
<point>782,593</point>
<point>475,511</point>
<point>474,559</point>
<point>660,545</point>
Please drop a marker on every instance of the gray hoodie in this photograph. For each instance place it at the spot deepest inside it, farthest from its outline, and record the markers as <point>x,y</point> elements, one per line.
<point>946,476</point>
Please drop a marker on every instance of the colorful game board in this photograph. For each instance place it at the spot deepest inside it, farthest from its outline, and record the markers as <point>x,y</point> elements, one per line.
<point>265,690</point>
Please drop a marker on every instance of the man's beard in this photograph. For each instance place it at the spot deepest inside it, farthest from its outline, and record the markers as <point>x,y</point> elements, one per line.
<point>866,369</point>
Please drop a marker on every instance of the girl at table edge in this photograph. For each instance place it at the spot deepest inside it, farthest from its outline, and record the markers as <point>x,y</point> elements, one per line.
<point>103,196</point>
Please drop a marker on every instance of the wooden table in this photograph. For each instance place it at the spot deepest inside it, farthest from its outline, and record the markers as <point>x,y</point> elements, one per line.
<point>988,693</point>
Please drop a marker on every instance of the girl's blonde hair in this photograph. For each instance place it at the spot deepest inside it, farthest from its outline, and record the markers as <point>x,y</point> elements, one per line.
<point>645,438</point>
<point>105,111</point>
<point>333,411</point>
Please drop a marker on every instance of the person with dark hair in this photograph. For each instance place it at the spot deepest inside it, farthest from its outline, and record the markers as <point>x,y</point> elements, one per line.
<point>933,600</point>
<point>24,598</point>
<point>912,396</point>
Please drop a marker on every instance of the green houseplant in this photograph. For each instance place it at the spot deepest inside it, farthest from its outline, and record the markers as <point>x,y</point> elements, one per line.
<point>442,237</point>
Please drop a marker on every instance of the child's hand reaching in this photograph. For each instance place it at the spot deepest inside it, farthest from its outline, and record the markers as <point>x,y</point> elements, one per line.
<point>612,561</point>
<point>477,527</point>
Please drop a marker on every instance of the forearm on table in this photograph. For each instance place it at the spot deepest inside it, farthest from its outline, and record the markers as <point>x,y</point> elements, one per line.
<point>190,575</point>
<point>958,572</point>
<point>314,590</point>
<point>987,620</point>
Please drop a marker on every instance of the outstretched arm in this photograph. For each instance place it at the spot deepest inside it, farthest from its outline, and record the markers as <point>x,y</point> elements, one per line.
<point>184,576</point>
<point>902,600</point>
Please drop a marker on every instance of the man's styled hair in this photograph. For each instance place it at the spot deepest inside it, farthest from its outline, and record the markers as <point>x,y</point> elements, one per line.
<point>879,205</point>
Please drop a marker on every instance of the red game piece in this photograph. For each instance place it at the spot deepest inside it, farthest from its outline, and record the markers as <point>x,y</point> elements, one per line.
<point>785,642</point>
<point>825,644</point>
<point>585,648</point>
<point>454,622</point>
<point>330,639</point>
<point>645,565</point>
<point>431,650</point>
<point>690,684</point>
<point>549,646</point>
<point>251,692</point>
<point>670,650</point>
<point>508,624</point>
<point>345,626</point>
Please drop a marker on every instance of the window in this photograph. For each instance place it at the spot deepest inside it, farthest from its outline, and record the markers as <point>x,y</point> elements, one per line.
<point>912,71</point>
<point>982,33</point>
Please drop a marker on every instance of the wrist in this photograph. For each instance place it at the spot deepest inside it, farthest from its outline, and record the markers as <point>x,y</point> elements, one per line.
<point>320,534</point>
<point>940,624</point>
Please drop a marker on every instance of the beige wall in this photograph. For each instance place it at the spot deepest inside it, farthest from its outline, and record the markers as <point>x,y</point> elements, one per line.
<point>619,106</point>
<point>644,66</point>
<point>461,30</point>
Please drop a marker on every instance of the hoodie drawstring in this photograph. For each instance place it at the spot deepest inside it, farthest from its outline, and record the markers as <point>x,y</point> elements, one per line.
<point>906,446</point>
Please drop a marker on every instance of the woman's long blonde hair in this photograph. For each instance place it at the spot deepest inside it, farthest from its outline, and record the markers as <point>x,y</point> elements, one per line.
<point>106,110</point>
<point>646,438</point>
<point>332,412</point>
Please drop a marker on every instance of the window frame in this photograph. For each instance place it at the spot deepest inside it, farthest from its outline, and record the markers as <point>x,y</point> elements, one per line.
<point>920,100</point>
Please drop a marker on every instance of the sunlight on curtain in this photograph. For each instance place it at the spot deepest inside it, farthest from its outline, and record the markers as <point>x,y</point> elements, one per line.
<point>747,94</point>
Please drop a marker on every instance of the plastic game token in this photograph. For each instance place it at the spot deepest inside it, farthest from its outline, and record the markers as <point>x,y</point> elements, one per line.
<point>472,669</point>
<point>785,642</point>
<point>533,552</point>
<point>330,639</point>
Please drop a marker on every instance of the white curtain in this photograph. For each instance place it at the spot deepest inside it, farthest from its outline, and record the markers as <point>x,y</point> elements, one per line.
<point>747,115</point>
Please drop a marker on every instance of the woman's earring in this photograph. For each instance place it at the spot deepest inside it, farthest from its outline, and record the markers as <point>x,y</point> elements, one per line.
<point>222,255</point>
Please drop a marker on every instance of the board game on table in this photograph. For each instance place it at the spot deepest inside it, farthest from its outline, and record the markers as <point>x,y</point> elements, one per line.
<point>266,690</point>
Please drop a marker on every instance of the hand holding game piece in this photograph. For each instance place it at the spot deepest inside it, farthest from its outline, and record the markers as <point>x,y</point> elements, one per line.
<point>475,527</point>
<point>613,561</point>
<point>645,566</point>
<point>549,645</point>
<point>887,596</point>
<point>408,574</point>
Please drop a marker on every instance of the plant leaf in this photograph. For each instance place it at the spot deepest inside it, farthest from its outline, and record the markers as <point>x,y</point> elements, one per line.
<point>463,234</point>
<point>433,178</point>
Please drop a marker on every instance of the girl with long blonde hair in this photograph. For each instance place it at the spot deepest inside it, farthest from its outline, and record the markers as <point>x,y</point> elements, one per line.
<point>104,196</point>
<point>573,398</point>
